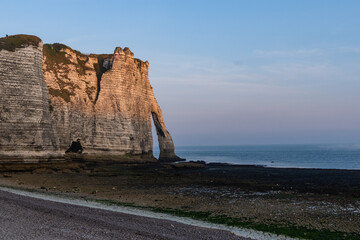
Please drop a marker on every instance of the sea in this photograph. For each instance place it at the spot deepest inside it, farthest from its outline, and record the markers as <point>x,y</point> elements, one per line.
<point>323,156</point>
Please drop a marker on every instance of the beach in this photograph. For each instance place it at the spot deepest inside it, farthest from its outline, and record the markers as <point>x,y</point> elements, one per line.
<point>308,203</point>
<point>30,217</point>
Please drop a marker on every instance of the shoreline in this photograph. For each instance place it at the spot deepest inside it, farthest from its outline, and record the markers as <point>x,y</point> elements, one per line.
<point>294,202</point>
<point>91,203</point>
<point>274,167</point>
<point>313,156</point>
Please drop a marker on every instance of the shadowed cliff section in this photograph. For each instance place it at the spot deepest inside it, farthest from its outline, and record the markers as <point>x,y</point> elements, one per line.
<point>105,100</point>
<point>26,131</point>
<point>101,66</point>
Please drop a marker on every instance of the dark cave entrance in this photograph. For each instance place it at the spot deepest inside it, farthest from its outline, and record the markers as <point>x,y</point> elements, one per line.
<point>75,147</point>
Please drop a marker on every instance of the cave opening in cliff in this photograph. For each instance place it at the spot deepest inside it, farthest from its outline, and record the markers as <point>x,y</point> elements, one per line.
<point>156,121</point>
<point>75,147</point>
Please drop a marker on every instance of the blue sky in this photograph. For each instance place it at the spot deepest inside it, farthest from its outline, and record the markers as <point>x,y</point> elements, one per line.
<point>225,72</point>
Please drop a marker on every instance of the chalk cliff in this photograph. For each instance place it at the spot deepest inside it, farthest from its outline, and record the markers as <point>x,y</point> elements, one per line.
<point>26,131</point>
<point>50,100</point>
<point>106,101</point>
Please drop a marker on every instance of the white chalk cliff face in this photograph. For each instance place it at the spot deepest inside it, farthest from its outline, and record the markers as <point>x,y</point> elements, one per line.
<point>104,100</point>
<point>26,131</point>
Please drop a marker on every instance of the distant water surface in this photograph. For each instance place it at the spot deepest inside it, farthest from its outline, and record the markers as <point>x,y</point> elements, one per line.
<point>345,156</point>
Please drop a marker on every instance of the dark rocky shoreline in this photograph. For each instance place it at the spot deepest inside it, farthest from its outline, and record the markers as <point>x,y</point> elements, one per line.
<point>326,181</point>
<point>344,183</point>
<point>315,199</point>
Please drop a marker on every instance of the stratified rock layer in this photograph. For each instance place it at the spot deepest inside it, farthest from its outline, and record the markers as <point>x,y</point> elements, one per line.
<point>106,101</point>
<point>26,132</point>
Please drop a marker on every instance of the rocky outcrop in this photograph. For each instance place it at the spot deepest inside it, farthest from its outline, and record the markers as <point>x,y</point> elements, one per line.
<point>106,101</point>
<point>26,131</point>
<point>166,144</point>
<point>101,103</point>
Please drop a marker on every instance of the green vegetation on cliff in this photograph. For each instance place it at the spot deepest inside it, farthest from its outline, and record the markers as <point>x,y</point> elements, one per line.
<point>13,42</point>
<point>63,93</point>
<point>58,62</point>
<point>56,57</point>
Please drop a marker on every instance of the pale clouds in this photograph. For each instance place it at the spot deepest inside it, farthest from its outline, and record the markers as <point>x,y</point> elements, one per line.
<point>207,72</point>
<point>268,96</point>
<point>297,53</point>
<point>348,49</point>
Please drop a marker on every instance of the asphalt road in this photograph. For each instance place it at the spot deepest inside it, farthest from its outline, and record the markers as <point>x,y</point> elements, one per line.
<point>24,217</point>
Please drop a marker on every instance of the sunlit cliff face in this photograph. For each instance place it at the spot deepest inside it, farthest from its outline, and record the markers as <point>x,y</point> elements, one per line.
<point>105,100</point>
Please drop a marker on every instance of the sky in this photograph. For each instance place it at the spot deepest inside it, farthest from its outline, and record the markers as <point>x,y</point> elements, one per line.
<point>224,72</point>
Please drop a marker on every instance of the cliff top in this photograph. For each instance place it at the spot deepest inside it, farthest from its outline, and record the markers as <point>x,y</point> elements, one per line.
<point>10,43</point>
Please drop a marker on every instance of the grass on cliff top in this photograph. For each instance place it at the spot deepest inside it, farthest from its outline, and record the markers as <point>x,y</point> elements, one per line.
<point>13,42</point>
<point>54,55</point>
<point>57,60</point>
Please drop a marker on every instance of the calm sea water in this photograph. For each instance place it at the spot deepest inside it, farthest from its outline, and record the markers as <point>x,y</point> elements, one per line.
<point>298,156</point>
